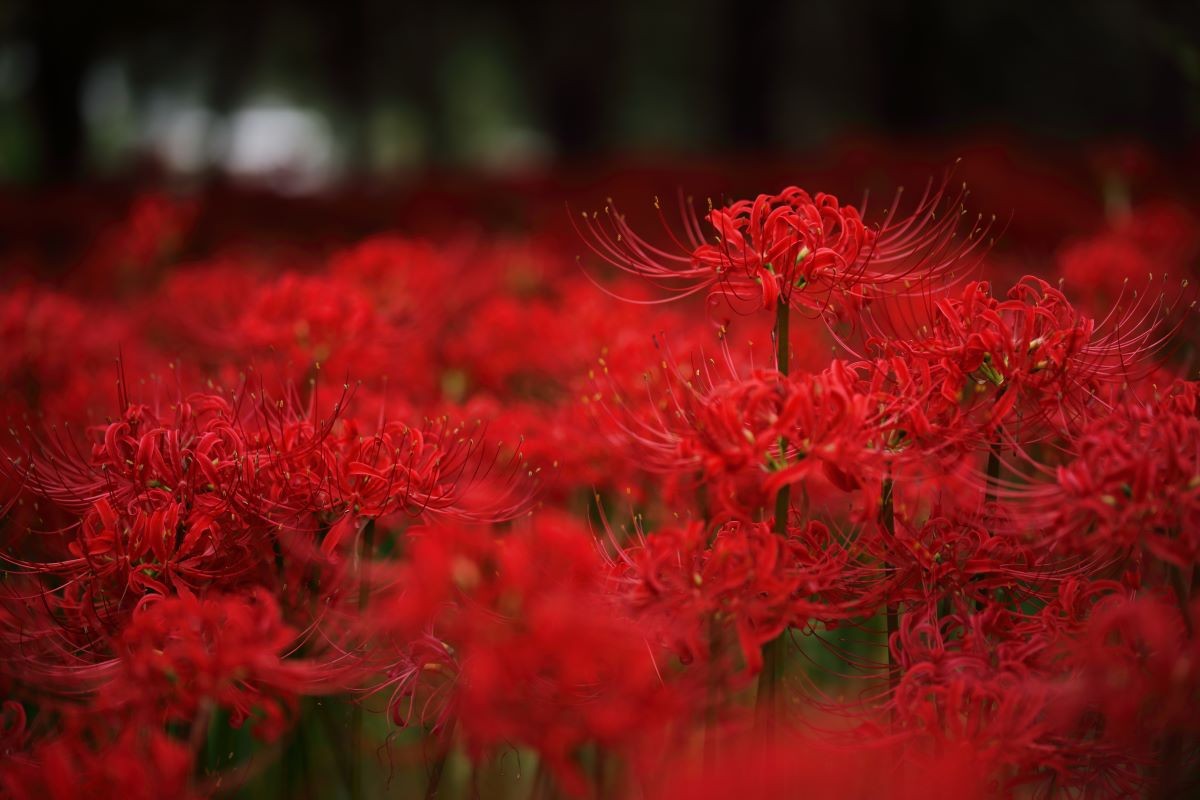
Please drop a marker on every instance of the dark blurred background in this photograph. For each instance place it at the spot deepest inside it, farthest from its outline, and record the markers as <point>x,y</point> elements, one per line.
<point>307,93</point>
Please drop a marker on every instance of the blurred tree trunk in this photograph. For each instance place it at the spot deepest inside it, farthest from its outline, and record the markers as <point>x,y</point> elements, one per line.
<point>566,54</point>
<point>62,40</point>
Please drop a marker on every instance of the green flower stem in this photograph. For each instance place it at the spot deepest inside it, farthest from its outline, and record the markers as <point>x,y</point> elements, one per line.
<point>773,652</point>
<point>366,551</point>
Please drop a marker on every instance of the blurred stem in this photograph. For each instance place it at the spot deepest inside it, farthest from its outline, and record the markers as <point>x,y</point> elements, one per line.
<point>600,772</point>
<point>471,781</point>
<point>993,477</point>
<point>1172,778</point>
<point>357,732</point>
<point>714,697</point>
<point>336,740</point>
<point>295,782</point>
<point>773,652</point>
<point>435,774</point>
<point>542,785</point>
<point>205,740</point>
<point>887,518</point>
<point>217,743</point>
<point>993,473</point>
<point>438,768</point>
<point>1183,597</point>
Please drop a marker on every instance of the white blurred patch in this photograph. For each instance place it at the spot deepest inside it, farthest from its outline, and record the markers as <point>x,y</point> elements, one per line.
<point>290,148</point>
<point>178,133</point>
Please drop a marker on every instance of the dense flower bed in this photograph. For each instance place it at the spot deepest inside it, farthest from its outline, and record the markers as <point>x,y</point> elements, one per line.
<point>879,499</point>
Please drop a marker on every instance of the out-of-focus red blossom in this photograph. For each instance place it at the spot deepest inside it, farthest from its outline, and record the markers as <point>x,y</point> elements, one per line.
<point>560,440</point>
<point>154,228</point>
<point>180,655</point>
<point>746,587</point>
<point>498,351</point>
<point>84,760</point>
<point>1136,666</point>
<point>1125,256</point>
<point>515,640</point>
<point>977,693</point>
<point>971,687</point>
<point>404,278</point>
<point>1074,698</point>
<point>816,767</point>
<point>1134,482</point>
<point>56,354</point>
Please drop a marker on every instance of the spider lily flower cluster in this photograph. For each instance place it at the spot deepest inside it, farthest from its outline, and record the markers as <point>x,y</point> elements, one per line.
<point>397,515</point>
<point>795,249</point>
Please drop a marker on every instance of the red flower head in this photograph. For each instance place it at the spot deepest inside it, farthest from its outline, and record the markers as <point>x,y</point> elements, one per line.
<point>967,681</point>
<point>1136,666</point>
<point>1033,356</point>
<point>749,437</point>
<point>93,760</point>
<point>1134,483</point>
<point>523,644</point>
<point>746,588</point>
<point>179,654</point>
<point>809,252</point>
<point>166,502</point>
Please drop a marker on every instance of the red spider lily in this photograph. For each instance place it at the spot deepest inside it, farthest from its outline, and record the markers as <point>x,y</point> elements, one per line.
<point>439,468</point>
<point>218,473</point>
<point>815,243</point>
<point>1134,482</point>
<point>748,586</point>
<point>142,459</point>
<point>974,686</point>
<point>1031,360</point>
<point>329,468</point>
<point>1132,678</point>
<point>751,436</point>
<point>537,651</point>
<point>180,655</point>
<point>955,556</point>
<point>163,504</point>
<point>1135,665</point>
<point>215,553</point>
<point>90,759</point>
<point>808,252</point>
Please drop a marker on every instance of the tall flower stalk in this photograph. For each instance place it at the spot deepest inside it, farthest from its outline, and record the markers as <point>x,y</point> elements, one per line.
<point>774,652</point>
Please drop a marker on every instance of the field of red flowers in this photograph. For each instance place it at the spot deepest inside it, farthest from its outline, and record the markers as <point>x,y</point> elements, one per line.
<point>502,488</point>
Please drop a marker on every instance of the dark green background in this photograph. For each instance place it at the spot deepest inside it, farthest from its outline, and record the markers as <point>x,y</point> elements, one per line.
<point>406,85</point>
